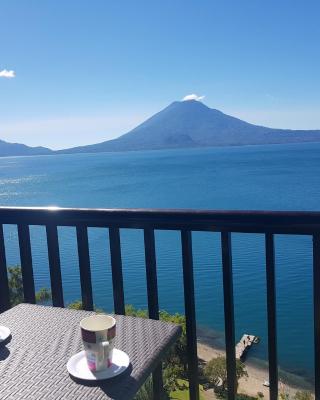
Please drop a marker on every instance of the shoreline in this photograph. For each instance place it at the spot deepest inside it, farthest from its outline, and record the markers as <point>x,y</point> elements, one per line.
<point>257,375</point>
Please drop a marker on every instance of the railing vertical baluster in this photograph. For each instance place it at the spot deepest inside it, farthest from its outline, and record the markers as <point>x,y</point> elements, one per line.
<point>229,313</point>
<point>26,263</point>
<point>4,286</point>
<point>153,303</point>
<point>190,312</point>
<point>54,266</point>
<point>316,306</point>
<point>271,310</point>
<point>151,273</point>
<point>116,267</point>
<point>84,266</point>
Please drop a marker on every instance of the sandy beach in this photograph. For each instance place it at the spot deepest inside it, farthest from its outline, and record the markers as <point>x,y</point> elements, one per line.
<point>251,385</point>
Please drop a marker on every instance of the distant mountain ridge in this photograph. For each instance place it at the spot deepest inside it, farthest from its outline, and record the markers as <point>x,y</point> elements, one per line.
<point>17,149</point>
<point>183,124</point>
<point>192,124</point>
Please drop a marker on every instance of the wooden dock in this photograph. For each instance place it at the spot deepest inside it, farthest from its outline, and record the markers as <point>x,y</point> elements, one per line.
<point>244,345</point>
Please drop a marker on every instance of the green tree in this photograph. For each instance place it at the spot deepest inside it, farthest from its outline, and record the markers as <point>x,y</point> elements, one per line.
<point>146,392</point>
<point>175,362</point>
<point>216,372</point>
<point>43,295</point>
<point>302,395</point>
<point>171,375</point>
<point>16,288</point>
<point>178,354</point>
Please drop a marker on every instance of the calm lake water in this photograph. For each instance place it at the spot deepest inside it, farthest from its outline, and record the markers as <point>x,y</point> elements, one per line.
<point>284,177</point>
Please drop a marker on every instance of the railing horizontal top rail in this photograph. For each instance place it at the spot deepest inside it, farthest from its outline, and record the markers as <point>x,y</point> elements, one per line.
<point>286,222</point>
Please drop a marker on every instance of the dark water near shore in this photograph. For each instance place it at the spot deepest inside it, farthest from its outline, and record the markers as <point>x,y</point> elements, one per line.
<point>282,177</point>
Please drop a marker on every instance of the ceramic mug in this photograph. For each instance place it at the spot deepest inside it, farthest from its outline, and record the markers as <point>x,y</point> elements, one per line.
<point>98,335</point>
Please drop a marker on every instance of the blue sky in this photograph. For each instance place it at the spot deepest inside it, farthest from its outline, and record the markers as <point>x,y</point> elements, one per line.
<point>89,71</point>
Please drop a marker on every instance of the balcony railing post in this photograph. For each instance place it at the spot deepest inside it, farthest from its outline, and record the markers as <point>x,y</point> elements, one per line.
<point>229,313</point>
<point>153,302</point>
<point>271,311</point>
<point>54,266</point>
<point>316,307</point>
<point>190,312</point>
<point>4,286</point>
<point>151,273</point>
<point>116,267</point>
<point>26,263</point>
<point>84,266</point>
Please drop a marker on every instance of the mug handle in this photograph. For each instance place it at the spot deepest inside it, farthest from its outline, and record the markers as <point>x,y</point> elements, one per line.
<point>105,347</point>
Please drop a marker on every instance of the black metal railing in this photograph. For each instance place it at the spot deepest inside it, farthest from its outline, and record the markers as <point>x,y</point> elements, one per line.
<point>185,221</point>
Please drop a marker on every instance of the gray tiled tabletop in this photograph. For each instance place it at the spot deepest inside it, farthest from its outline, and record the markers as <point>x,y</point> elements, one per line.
<point>33,363</point>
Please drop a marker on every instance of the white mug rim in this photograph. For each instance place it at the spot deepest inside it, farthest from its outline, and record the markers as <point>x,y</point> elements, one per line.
<point>97,316</point>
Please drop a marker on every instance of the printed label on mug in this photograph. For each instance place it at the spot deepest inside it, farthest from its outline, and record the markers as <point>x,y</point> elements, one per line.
<point>91,360</point>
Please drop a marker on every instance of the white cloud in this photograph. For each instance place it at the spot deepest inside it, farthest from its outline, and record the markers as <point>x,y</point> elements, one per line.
<point>7,74</point>
<point>193,97</point>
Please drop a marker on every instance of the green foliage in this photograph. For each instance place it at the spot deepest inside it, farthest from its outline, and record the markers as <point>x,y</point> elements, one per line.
<point>178,354</point>
<point>303,395</point>
<point>283,391</point>
<point>260,395</point>
<point>182,391</point>
<point>16,288</point>
<point>242,396</point>
<point>43,295</point>
<point>223,395</point>
<point>15,285</point>
<point>283,395</point>
<point>134,312</point>
<point>216,372</point>
<point>146,391</point>
<point>76,305</point>
<point>171,375</point>
<point>175,362</point>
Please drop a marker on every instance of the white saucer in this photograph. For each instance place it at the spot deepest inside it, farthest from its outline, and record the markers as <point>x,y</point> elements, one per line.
<point>4,333</point>
<point>77,366</point>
